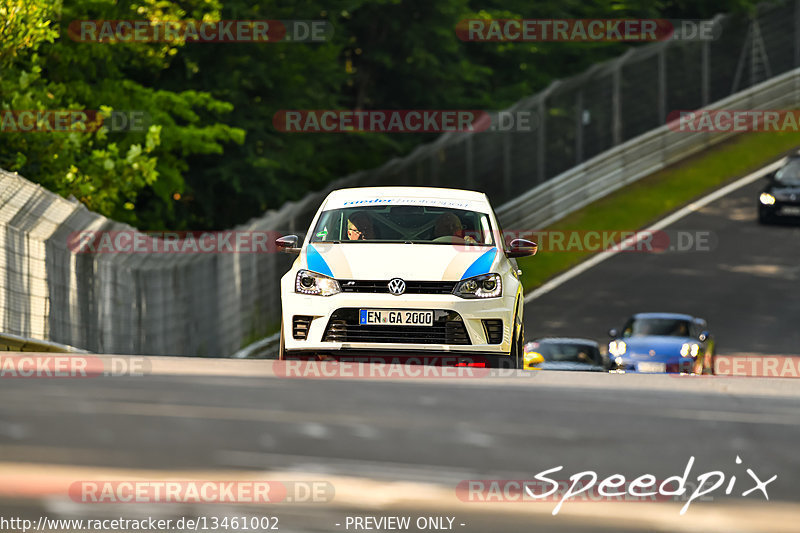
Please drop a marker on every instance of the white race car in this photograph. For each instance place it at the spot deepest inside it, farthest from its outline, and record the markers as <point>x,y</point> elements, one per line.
<point>419,273</point>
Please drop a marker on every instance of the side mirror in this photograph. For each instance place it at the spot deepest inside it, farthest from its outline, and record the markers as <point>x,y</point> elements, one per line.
<point>613,333</point>
<point>288,244</point>
<point>703,336</point>
<point>521,248</point>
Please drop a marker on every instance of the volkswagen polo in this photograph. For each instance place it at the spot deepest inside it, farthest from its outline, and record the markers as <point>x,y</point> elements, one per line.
<point>417,273</point>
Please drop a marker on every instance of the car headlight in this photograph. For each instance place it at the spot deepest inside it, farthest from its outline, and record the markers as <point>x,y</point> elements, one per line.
<point>308,282</point>
<point>690,349</point>
<point>485,286</point>
<point>766,198</point>
<point>617,348</point>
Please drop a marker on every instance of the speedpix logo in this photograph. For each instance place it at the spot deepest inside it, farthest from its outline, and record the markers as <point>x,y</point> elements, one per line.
<point>588,486</point>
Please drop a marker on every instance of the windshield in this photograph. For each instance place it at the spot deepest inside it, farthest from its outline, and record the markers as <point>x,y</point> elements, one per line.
<point>789,174</point>
<point>656,326</point>
<point>568,352</point>
<point>404,224</point>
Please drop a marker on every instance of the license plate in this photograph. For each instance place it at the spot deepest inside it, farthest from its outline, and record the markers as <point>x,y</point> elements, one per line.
<point>652,367</point>
<point>791,210</point>
<point>394,317</point>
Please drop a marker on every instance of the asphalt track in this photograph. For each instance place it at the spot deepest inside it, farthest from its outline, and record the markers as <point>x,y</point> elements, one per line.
<point>745,286</point>
<point>401,446</point>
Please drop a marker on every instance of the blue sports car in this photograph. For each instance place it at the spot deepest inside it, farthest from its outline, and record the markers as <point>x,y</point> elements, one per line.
<point>662,342</point>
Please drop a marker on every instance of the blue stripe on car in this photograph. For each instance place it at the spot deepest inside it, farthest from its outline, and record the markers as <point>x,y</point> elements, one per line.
<point>481,264</point>
<point>316,263</point>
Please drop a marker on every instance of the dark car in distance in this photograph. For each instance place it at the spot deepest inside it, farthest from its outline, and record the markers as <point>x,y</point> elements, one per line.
<point>780,198</point>
<point>563,354</point>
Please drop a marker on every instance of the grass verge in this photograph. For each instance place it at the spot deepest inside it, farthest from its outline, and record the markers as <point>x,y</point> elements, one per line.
<point>649,199</point>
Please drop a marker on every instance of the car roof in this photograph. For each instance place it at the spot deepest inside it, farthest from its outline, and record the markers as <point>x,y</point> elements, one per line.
<point>677,316</point>
<point>370,193</point>
<point>573,340</point>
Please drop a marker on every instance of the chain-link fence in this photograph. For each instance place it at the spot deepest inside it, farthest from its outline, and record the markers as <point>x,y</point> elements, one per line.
<point>580,117</point>
<point>213,304</point>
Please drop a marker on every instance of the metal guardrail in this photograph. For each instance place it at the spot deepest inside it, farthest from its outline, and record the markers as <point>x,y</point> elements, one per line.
<point>635,159</point>
<point>15,343</point>
<point>266,348</point>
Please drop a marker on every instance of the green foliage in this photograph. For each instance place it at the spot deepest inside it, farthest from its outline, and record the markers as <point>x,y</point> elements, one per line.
<point>209,156</point>
<point>107,170</point>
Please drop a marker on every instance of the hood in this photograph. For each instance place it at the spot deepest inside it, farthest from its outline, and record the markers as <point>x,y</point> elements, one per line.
<point>784,192</point>
<point>664,347</point>
<point>379,261</point>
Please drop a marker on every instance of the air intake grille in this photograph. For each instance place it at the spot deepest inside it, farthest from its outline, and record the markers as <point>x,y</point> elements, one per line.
<point>300,326</point>
<point>447,328</point>
<point>412,287</point>
<point>494,331</point>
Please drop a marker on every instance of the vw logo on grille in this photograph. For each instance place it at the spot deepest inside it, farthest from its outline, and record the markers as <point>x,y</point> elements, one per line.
<point>397,286</point>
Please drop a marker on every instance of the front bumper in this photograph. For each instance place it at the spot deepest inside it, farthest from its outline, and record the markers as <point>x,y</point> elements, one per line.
<point>680,365</point>
<point>781,208</point>
<point>471,312</point>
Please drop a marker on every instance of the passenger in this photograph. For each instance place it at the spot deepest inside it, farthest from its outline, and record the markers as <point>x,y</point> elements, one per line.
<point>359,227</point>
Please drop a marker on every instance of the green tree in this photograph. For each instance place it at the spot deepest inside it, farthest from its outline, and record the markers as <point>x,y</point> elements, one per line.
<point>107,170</point>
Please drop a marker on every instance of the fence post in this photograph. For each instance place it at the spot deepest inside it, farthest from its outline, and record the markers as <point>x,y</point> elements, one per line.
<point>540,140</point>
<point>579,128</point>
<point>507,166</point>
<point>662,85</point>
<point>616,104</point>
<point>469,161</point>
<point>705,75</point>
<point>797,33</point>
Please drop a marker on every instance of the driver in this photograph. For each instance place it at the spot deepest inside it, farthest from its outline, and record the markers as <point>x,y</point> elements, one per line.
<point>681,330</point>
<point>359,227</point>
<point>449,225</point>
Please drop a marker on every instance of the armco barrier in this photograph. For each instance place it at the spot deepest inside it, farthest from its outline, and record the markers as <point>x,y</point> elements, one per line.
<point>181,304</point>
<point>15,343</point>
<point>636,159</point>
